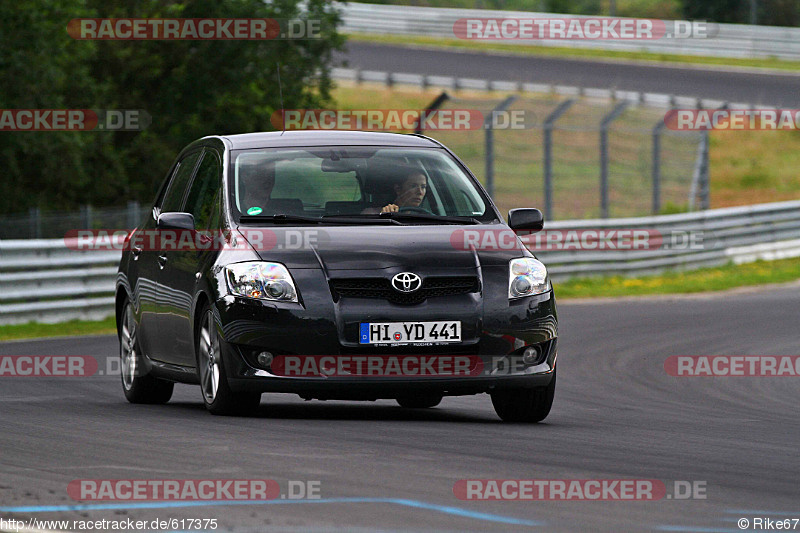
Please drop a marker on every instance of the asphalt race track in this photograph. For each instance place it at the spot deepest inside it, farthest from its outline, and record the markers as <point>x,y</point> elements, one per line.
<point>748,87</point>
<point>617,415</point>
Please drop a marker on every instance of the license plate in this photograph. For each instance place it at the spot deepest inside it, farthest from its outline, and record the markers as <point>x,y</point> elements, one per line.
<point>404,332</point>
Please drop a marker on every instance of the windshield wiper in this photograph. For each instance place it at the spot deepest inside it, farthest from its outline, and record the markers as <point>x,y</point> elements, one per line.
<point>280,217</point>
<point>395,215</point>
<point>284,218</point>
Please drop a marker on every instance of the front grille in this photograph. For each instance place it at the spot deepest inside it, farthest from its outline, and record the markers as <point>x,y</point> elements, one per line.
<point>381,288</point>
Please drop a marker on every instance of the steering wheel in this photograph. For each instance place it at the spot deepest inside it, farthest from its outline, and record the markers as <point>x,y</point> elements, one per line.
<point>413,209</point>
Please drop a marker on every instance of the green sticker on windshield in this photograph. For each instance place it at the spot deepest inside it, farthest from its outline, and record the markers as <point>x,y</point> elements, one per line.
<point>254,211</point>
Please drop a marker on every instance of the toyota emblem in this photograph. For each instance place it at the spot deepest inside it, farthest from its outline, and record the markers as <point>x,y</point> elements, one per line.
<point>406,282</point>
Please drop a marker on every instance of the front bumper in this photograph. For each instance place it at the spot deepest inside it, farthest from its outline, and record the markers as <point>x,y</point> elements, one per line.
<point>494,332</point>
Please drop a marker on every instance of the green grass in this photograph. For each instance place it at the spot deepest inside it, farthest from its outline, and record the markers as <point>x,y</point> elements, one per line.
<point>71,328</point>
<point>701,280</point>
<point>577,53</point>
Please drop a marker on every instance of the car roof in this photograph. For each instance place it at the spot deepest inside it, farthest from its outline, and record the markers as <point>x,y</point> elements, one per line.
<point>326,138</point>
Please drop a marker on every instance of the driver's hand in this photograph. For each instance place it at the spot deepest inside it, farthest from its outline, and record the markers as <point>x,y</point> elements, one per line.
<point>391,208</point>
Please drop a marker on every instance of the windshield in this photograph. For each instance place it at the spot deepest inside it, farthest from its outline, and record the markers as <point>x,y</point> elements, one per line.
<point>355,182</point>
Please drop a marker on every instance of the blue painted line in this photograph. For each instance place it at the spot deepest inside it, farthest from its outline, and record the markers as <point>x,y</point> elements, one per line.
<point>455,511</point>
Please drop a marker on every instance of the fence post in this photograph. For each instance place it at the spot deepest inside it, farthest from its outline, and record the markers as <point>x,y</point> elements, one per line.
<point>488,124</point>
<point>607,120</point>
<point>549,122</point>
<point>705,178</point>
<point>433,106</point>
<point>657,129</point>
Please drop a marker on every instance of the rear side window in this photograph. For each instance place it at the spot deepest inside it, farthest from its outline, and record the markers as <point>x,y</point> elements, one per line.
<point>173,199</point>
<point>200,201</point>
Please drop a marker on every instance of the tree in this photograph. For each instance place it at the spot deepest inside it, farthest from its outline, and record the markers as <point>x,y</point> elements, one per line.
<point>189,88</point>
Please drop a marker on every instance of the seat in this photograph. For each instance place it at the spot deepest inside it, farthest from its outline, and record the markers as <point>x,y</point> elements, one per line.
<point>344,207</point>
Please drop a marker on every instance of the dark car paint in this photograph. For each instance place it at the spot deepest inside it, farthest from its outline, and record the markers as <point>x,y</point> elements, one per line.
<point>168,289</point>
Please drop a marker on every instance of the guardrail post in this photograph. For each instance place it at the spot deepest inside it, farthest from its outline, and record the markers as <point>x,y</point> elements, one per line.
<point>35,224</point>
<point>549,122</point>
<point>657,129</point>
<point>86,215</point>
<point>133,214</point>
<point>488,124</point>
<point>607,120</point>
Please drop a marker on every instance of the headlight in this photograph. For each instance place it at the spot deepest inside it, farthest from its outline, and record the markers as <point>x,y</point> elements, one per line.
<point>261,280</point>
<point>526,276</point>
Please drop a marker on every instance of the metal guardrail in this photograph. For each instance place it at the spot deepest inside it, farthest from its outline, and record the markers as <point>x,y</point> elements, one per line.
<point>732,40</point>
<point>734,234</point>
<point>657,100</point>
<point>44,281</point>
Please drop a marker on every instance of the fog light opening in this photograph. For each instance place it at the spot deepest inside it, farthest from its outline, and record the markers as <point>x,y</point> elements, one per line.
<point>265,359</point>
<point>531,355</point>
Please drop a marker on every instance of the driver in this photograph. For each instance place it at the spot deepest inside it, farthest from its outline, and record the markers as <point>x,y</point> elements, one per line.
<point>408,193</point>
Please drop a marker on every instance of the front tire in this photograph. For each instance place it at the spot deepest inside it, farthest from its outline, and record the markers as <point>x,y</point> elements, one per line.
<point>218,397</point>
<point>137,388</point>
<point>524,405</point>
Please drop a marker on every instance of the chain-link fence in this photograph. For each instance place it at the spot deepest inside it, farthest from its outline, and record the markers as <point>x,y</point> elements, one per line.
<point>579,157</point>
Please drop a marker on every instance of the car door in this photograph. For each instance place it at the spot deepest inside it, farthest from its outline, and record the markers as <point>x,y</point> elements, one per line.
<point>183,265</point>
<point>165,300</point>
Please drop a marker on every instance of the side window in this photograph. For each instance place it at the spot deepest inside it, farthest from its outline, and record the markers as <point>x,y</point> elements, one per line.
<point>200,201</point>
<point>174,195</point>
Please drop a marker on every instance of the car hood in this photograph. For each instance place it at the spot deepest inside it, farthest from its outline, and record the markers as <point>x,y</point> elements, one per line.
<point>378,247</point>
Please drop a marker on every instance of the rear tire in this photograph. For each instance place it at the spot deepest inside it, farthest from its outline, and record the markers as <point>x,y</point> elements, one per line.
<point>218,397</point>
<point>423,401</point>
<point>524,405</point>
<point>137,388</point>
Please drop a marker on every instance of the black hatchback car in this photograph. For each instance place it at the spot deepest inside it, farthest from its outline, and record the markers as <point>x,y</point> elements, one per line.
<point>334,265</point>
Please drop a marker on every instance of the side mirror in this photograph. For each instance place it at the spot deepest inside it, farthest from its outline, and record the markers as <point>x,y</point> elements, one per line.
<point>526,219</point>
<point>175,221</point>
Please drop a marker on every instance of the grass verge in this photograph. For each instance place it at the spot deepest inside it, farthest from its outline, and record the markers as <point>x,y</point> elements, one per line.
<point>575,53</point>
<point>71,328</point>
<point>695,281</point>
